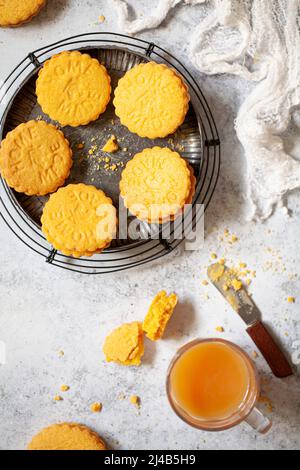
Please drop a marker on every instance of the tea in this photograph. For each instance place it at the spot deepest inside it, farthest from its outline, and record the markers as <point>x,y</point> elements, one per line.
<point>210,380</point>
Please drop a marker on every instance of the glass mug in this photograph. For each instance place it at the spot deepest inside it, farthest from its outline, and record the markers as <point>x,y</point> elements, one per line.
<point>213,385</point>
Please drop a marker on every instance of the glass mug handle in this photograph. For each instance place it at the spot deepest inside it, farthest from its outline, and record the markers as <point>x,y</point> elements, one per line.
<point>258,421</point>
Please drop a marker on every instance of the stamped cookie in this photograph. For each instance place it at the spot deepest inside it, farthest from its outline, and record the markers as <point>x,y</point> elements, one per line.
<point>67,436</point>
<point>151,100</point>
<point>73,89</point>
<point>160,312</point>
<point>125,344</point>
<point>155,184</point>
<point>79,219</point>
<point>17,12</point>
<point>35,158</point>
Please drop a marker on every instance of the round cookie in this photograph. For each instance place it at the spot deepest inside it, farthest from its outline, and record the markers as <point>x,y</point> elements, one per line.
<point>79,220</point>
<point>155,184</point>
<point>73,89</point>
<point>35,158</point>
<point>66,436</point>
<point>151,100</point>
<point>17,12</point>
<point>86,254</point>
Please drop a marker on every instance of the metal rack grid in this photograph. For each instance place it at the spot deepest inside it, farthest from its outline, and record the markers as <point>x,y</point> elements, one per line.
<point>116,258</point>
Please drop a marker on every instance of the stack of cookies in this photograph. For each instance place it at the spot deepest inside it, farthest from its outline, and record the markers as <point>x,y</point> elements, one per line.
<point>74,89</point>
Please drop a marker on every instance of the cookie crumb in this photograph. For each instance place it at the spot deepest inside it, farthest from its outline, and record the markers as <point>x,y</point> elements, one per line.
<point>135,400</point>
<point>111,145</point>
<point>61,353</point>
<point>64,388</point>
<point>58,398</point>
<point>101,19</point>
<point>80,145</point>
<point>204,282</point>
<point>291,300</point>
<point>220,329</point>
<point>96,407</point>
<point>236,284</point>
<point>254,355</point>
<point>213,256</point>
<point>242,265</point>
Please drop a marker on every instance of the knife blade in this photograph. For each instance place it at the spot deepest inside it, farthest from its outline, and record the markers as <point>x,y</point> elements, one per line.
<point>224,280</point>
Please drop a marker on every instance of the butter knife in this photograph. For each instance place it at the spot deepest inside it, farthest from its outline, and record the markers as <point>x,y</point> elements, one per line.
<point>221,277</point>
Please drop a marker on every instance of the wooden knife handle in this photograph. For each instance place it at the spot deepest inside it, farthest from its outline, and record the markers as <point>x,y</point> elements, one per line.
<point>270,350</point>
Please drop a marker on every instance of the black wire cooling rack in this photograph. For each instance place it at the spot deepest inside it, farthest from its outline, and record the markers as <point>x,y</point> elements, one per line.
<point>118,257</point>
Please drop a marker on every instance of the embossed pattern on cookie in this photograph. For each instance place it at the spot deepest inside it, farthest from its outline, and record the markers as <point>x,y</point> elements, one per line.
<point>151,100</point>
<point>155,184</point>
<point>17,12</point>
<point>79,220</point>
<point>35,158</point>
<point>66,436</point>
<point>73,89</point>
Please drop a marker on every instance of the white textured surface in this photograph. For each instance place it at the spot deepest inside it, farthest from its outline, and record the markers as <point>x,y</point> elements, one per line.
<point>44,309</point>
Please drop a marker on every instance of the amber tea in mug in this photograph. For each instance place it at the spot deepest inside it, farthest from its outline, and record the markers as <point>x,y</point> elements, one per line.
<point>213,385</point>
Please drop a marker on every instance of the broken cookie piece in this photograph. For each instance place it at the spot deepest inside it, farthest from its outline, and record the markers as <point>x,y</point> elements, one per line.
<point>159,314</point>
<point>125,344</point>
<point>111,145</point>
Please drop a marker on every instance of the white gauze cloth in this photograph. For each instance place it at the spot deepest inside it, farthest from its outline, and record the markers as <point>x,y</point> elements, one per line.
<point>257,40</point>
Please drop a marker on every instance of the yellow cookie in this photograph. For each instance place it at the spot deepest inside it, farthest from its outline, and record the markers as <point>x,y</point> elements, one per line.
<point>35,158</point>
<point>189,198</point>
<point>80,254</point>
<point>125,345</point>
<point>67,436</point>
<point>73,89</point>
<point>17,12</point>
<point>155,184</point>
<point>159,314</point>
<point>151,100</point>
<point>79,219</point>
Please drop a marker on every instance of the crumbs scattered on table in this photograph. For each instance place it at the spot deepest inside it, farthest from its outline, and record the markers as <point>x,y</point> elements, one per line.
<point>220,329</point>
<point>96,407</point>
<point>135,400</point>
<point>58,398</point>
<point>236,284</point>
